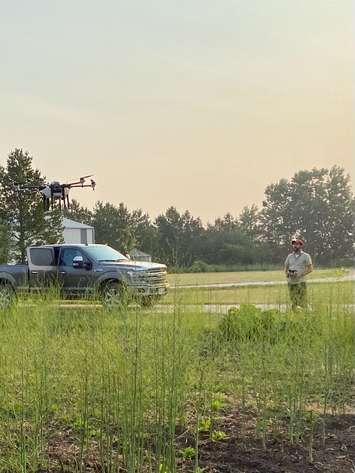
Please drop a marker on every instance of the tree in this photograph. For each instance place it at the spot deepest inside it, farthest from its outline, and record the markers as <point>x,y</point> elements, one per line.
<point>145,233</point>
<point>114,226</point>
<point>249,222</point>
<point>5,243</point>
<point>79,213</point>
<point>169,229</point>
<point>178,237</point>
<point>227,223</point>
<point>316,204</point>
<point>230,242</point>
<point>23,211</point>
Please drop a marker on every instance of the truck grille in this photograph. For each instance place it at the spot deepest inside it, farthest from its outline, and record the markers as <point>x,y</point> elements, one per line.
<point>154,277</point>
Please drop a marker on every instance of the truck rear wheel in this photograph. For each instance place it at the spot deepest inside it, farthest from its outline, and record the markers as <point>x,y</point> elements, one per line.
<point>7,296</point>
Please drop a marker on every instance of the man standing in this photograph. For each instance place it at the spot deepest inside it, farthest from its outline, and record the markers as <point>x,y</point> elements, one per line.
<point>297,265</point>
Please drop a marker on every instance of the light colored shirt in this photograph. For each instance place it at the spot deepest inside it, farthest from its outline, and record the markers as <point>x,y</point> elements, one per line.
<point>297,262</point>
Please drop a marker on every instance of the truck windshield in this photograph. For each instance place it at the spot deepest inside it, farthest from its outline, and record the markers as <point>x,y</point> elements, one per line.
<point>102,253</point>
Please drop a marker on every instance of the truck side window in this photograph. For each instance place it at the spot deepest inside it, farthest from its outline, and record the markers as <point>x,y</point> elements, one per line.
<point>42,257</point>
<point>67,255</point>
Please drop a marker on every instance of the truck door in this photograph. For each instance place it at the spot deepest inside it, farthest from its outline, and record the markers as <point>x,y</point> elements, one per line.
<point>42,268</point>
<point>77,279</point>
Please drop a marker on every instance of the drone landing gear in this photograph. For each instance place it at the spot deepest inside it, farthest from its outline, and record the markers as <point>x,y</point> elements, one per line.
<point>46,204</point>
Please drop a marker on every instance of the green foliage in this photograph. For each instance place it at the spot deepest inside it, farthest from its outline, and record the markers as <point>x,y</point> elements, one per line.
<point>317,204</point>
<point>5,243</point>
<point>113,226</point>
<point>217,403</point>
<point>178,237</point>
<point>134,390</point>
<point>249,221</point>
<point>23,212</point>
<point>205,425</point>
<point>199,267</point>
<point>188,453</point>
<point>163,469</point>
<point>79,213</point>
<point>122,229</point>
<point>218,436</point>
<point>249,323</point>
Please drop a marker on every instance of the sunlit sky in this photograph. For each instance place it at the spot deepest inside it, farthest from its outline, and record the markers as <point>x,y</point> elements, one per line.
<point>198,104</point>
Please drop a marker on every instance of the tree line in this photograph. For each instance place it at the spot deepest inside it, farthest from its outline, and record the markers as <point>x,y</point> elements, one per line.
<point>317,204</point>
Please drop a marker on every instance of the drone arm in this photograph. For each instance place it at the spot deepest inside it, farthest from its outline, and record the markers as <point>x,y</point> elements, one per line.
<point>82,185</point>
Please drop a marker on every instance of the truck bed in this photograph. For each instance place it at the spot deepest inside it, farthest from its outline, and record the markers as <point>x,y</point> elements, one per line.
<point>17,274</point>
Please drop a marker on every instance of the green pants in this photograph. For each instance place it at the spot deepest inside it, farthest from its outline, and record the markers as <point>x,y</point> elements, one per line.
<point>298,295</point>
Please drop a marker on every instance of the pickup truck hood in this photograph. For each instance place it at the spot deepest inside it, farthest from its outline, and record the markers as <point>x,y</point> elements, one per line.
<point>133,265</point>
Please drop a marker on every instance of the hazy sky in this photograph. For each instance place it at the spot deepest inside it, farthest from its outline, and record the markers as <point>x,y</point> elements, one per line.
<point>198,104</point>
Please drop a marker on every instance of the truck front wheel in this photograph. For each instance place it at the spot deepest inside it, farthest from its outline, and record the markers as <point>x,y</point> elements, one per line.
<point>114,295</point>
<point>7,296</point>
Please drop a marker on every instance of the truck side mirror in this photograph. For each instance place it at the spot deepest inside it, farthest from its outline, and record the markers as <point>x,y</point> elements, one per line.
<point>78,262</point>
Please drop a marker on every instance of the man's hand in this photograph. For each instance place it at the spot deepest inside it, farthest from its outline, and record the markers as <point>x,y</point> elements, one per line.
<point>308,269</point>
<point>292,273</point>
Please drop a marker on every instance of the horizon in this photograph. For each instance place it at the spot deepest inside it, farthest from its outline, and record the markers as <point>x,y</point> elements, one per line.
<point>181,211</point>
<point>199,105</point>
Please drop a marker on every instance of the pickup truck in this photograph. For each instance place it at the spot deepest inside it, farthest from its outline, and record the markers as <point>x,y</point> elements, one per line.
<point>83,271</point>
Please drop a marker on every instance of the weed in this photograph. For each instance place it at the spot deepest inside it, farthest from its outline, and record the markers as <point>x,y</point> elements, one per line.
<point>188,453</point>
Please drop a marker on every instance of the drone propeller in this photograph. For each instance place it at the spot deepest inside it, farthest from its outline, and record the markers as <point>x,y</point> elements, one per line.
<point>86,177</point>
<point>81,181</point>
<point>28,187</point>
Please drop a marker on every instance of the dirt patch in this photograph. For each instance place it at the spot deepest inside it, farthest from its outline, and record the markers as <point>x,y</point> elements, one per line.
<point>242,452</point>
<point>239,452</point>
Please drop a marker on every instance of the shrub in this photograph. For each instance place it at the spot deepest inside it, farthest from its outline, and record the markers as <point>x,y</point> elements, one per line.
<point>199,267</point>
<point>253,324</point>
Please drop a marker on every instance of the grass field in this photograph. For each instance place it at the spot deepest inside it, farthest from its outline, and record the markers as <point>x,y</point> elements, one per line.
<point>245,276</point>
<point>140,391</point>
<point>319,293</point>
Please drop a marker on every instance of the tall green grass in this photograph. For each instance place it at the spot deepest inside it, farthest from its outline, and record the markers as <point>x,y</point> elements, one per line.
<point>87,388</point>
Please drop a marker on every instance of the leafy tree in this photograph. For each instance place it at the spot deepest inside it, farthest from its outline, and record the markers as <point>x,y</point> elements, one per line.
<point>316,204</point>
<point>227,223</point>
<point>114,226</point>
<point>169,228</point>
<point>178,237</point>
<point>227,242</point>
<point>190,238</point>
<point>145,233</point>
<point>249,222</point>
<point>274,216</point>
<point>23,211</point>
<point>79,213</point>
<point>5,243</point>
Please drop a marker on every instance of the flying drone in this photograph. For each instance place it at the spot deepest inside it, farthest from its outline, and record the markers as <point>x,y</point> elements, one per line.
<point>53,192</point>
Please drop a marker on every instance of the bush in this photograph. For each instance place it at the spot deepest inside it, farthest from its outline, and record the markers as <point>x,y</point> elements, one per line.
<point>248,323</point>
<point>199,267</point>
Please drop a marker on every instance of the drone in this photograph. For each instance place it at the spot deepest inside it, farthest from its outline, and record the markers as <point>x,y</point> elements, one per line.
<point>54,191</point>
